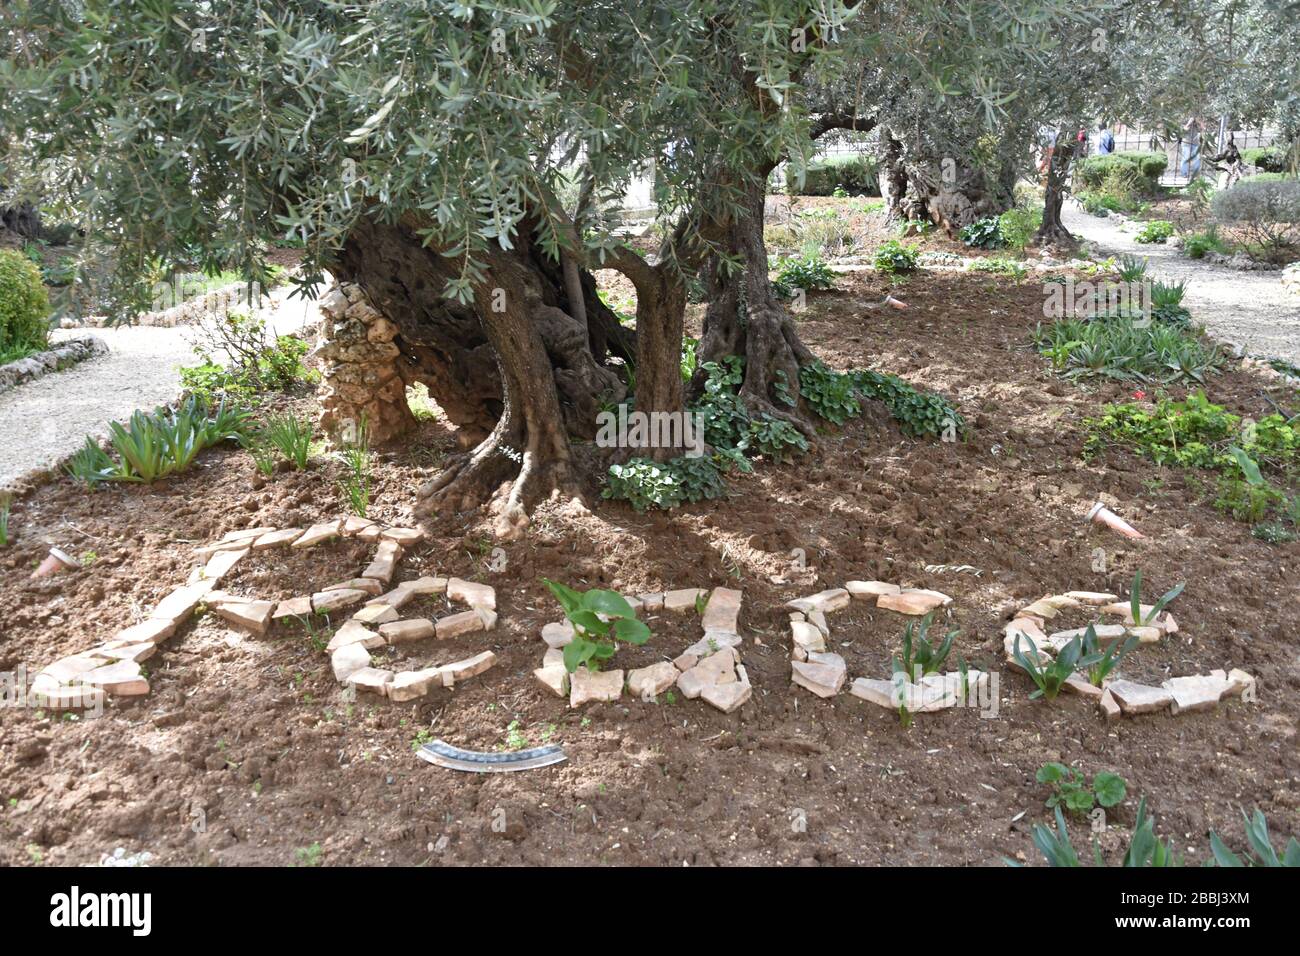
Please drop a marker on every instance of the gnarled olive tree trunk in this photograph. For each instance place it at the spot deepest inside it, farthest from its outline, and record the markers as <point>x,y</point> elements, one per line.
<point>514,369</point>
<point>1053,231</point>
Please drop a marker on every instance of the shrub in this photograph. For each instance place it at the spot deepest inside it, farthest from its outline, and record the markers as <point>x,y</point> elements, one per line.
<point>1271,159</point>
<point>1269,212</point>
<point>806,273</point>
<point>24,307</point>
<point>983,233</point>
<point>257,363</point>
<point>646,484</point>
<point>1147,167</point>
<point>999,265</point>
<point>1019,225</point>
<point>1157,230</point>
<point>895,258</point>
<point>1199,243</point>
<point>856,175</point>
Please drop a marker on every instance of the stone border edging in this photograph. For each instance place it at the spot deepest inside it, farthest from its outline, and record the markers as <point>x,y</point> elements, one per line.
<point>63,355</point>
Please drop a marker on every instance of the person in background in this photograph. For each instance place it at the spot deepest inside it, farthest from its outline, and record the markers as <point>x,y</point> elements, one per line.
<point>1105,140</point>
<point>1190,152</point>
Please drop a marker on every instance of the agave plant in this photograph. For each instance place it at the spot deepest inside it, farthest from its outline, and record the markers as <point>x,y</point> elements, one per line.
<point>919,656</point>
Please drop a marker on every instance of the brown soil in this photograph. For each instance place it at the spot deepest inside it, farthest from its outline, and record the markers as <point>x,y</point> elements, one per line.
<point>254,737</point>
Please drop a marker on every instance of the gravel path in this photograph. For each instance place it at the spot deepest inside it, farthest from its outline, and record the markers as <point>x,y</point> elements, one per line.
<point>48,419</point>
<point>1249,309</point>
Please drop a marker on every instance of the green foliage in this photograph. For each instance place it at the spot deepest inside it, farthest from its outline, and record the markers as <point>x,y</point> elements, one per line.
<point>1167,304</point>
<point>919,414</point>
<point>1126,349</point>
<point>775,438</point>
<point>830,394</point>
<point>24,307</point>
<point>1135,600</point>
<point>895,258</point>
<point>1071,790</point>
<point>1051,676</point>
<point>1144,168</point>
<point>1196,433</point>
<point>808,272</point>
<point>1271,159</point>
<point>1131,269</point>
<point>4,524</point>
<point>257,363</point>
<point>1019,225</point>
<point>1145,848</point>
<point>600,618</point>
<point>154,445</point>
<point>355,483</point>
<point>1103,660</point>
<point>291,437</point>
<point>1208,240</point>
<point>1261,846</point>
<point>645,484</point>
<point>998,265</point>
<point>853,174</point>
<point>983,233</point>
<point>919,657</point>
<point>1268,212</point>
<point>1155,230</point>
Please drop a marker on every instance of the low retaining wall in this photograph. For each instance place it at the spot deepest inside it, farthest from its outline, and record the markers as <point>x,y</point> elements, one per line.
<point>63,355</point>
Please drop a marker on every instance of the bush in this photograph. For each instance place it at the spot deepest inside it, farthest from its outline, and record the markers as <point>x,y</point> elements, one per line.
<point>1272,178</point>
<point>999,265</point>
<point>1018,226</point>
<point>1199,243</point>
<point>855,174</point>
<point>1093,171</point>
<point>257,363</point>
<point>645,484</point>
<point>24,307</point>
<point>1271,159</point>
<point>983,233</point>
<point>1269,212</point>
<point>808,273</point>
<point>895,258</point>
<point>1157,230</point>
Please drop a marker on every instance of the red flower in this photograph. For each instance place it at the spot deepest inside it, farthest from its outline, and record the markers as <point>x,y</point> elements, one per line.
<point>1139,394</point>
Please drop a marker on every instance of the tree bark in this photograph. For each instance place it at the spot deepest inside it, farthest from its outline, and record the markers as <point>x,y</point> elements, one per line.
<point>1053,232</point>
<point>23,219</point>
<point>514,369</point>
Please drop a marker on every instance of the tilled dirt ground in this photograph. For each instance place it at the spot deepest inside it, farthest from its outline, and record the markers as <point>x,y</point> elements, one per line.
<point>246,752</point>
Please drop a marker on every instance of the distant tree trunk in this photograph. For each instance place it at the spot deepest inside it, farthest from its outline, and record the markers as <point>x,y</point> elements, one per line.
<point>745,317</point>
<point>1053,232</point>
<point>514,368</point>
<point>23,219</point>
<point>955,194</point>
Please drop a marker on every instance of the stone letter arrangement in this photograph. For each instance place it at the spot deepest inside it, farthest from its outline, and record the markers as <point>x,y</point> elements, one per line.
<point>709,669</point>
<point>113,667</point>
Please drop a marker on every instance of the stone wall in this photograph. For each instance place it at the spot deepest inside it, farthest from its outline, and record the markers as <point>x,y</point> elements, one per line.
<point>363,376</point>
<point>59,356</point>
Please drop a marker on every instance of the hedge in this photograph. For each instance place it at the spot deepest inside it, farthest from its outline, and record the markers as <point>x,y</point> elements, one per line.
<point>855,174</point>
<point>1150,166</point>
<point>24,305</point>
<point>1271,159</point>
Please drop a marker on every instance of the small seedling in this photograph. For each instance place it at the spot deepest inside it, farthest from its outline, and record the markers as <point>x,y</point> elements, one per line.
<point>599,619</point>
<point>1261,846</point>
<point>1051,678</point>
<point>1135,600</point>
<point>1069,787</point>
<point>309,855</point>
<point>1100,663</point>
<point>919,657</point>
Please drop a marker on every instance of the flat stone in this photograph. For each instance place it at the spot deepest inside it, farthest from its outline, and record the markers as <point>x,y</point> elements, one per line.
<point>1109,705</point>
<point>1104,632</point>
<point>682,599</point>
<point>412,629</point>
<point>823,679</point>
<point>1139,698</point>
<point>470,667</point>
<point>870,590</point>
<point>807,638</point>
<point>372,679</point>
<point>72,697</point>
<point>369,585</point>
<point>824,601</point>
<point>453,625</point>
<point>554,678</point>
<point>1060,601</point>
<point>648,682</point>
<point>177,606</point>
<point>913,601</point>
<point>398,597</point>
<point>722,613</point>
<point>403,536</point>
<point>348,659</point>
<point>487,616</point>
<point>425,585</point>
<point>115,651</point>
<point>713,642</point>
<point>727,697</point>
<point>254,615</point>
<point>412,685</point>
<point>557,633</point>
<point>719,668</point>
<point>353,525</point>
<point>322,602</point>
<point>221,564</point>
<point>1124,610</point>
<point>586,686</point>
<point>293,607</point>
<point>1097,598</point>
<point>685,662</point>
<point>120,679</point>
<point>882,693</point>
<point>318,533</point>
<point>1076,684</point>
<point>1198,692</point>
<point>376,614</point>
<point>370,534</point>
<point>385,563</point>
<point>1167,623</point>
<point>67,669</point>
<point>1145,635</point>
<point>245,534</point>
<point>277,539</point>
<point>652,602</point>
<point>818,620</point>
<point>154,630</point>
<point>1238,681</point>
<point>352,632</point>
<point>1042,609</point>
<point>471,593</point>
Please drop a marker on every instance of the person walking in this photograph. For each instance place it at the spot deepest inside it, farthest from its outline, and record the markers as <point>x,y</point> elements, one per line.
<point>1105,140</point>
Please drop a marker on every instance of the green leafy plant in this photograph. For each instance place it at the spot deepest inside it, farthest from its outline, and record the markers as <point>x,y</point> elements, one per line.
<point>919,414</point>
<point>775,438</point>
<point>895,258</point>
<point>1019,224</point>
<point>1101,661</point>
<point>1197,244</point>
<point>4,524</point>
<point>1145,848</point>
<point>1051,676</point>
<point>1126,349</point>
<point>1071,790</point>
<point>1131,269</point>
<point>830,394</point>
<point>24,307</point>
<point>983,233</point>
<point>919,657</point>
<point>1261,846</point>
<point>291,437</point>
<point>645,484</point>
<point>999,266</point>
<point>1154,231</point>
<point>600,619</point>
<point>807,273</point>
<point>355,483</point>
